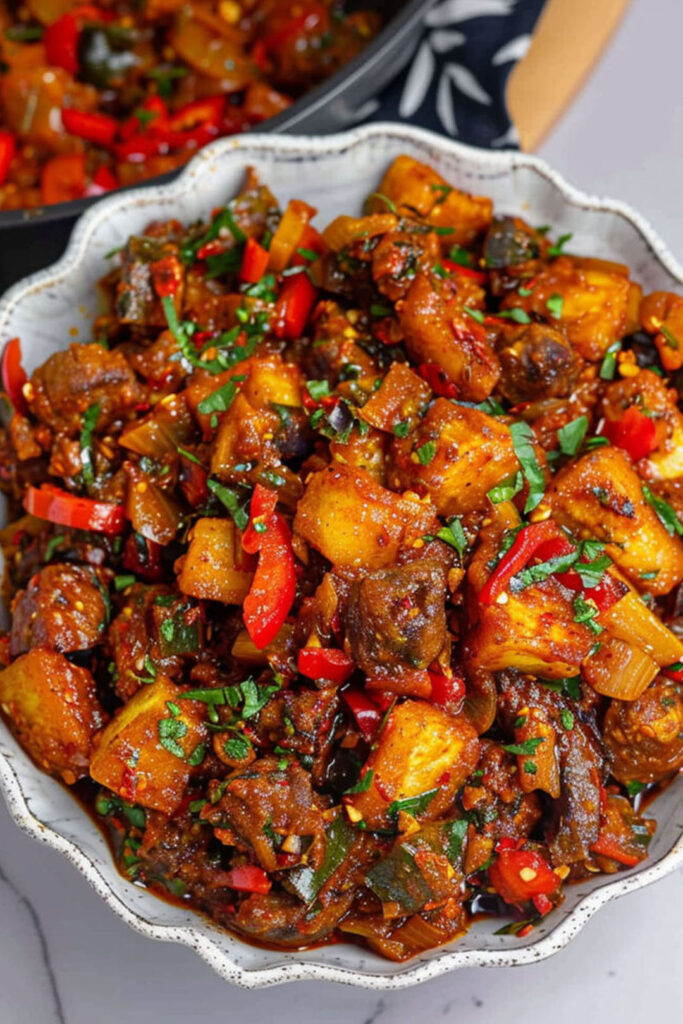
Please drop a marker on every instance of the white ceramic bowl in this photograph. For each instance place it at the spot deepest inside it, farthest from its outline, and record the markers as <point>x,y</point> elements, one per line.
<point>50,309</point>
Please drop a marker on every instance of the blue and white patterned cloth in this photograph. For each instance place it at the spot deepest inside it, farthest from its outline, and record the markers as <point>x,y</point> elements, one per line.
<point>455,83</point>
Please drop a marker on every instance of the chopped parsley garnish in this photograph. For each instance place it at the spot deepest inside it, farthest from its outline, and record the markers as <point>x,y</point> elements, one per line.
<point>518,315</point>
<point>571,435</point>
<point>221,399</point>
<point>318,389</point>
<point>363,784</point>
<point>557,248</point>
<point>665,513</point>
<point>426,452</point>
<point>522,438</point>
<point>452,533</point>
<point>476,314</point>
<point>527,748</point>
<point>555,305</point>
<point>586,613</point>
<point>90,417</point>
<point>608,366</point>
<point>567,719</point>
<point>454,832</point>
<point>233,501</point>
<point>402,428</point>
<point>506,489</point>
<point>237,747</point>
<point>412,805</point>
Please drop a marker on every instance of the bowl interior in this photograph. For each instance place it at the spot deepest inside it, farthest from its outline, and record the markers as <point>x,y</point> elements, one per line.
<point>57,306</point>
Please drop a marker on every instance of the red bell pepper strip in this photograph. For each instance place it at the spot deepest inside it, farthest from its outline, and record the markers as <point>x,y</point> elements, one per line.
<point>295,302</point>
<point>196,123</point>
<point>367,715</point>
<point>273,588</point>
<point>674,671</point>
<point>7,150</point>
<point>103,180</point>
<point>325,663</point>
<point>58,506</point>
<point>519,875</point>
<point>248,878</point>
<point>90,125</point>
<point>446,690</point>
<point>254,262</point>
<point>457,268</point>
<point>438,380</point>
<point>167,275</point>
<point>136,149</point>
<point>14,375</point>
<point>608,846</point>
<point>63,178</point>
<point>261,510</point>
<point>635,433</point>
<point>61,43</point>
<point>525,546</point>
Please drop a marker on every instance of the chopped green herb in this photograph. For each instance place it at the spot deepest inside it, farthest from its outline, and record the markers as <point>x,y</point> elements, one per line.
<point>452,533</point>
<point>586,613</point>
<point>24,33</point>
<point>519,315</point>
<point>525,749</point>
<point>567,719</point>
<point>530,767</point>
<point>426,452</point>
<point>237,747</point>
<point>383,199</point>
<point>476,314</point>
<point>524,292</point>
<point>90,417</point>
<point>557,248</point>
<point>363,784</point>
<point>458,254</point>
<point>170,731</point>
<point>197,756</point>
<point>52,545</point>
<point>454,833</point>
<point>571,435</point>
<point>413,805</point>
<point>506,489</point>
<point>441,190</point>
<point>190,457</point>
<point>231,499</point>
<point>522,438</point>
<point>633,787</point>
<point>672,340</point>
<point>554,305</point>
<point>608,366</point>
<point>377,310</point>
<point>221,399</point>
<point>402,428</point>
<point>123,581</point>
<point>318,389</point>
<point>665,513</point>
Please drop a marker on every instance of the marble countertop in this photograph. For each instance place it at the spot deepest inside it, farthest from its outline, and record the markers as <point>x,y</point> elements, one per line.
<point>66,959</point>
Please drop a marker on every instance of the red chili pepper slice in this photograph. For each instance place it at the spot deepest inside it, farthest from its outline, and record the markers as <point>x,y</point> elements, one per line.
<point>138,148</point>
<point>14,375</point>
<point>367,715</point>
<point>167,275</point>
<point>248,878</point>
<point>524,547</point>
<point>7,150</point>
<point>438,380</point>
<point>457,268</point>
<point>155,123</point>
<point>61,43</point>
<point>519,875</point>
<point>607,592</point>
<point>446,690</point>
<point>103,180</point>
<point>254,262</point>
<point>273,588</point>
<point>196,123</point>
<point>63,178</point>
<point>295,302</point>
<point>325,663</point>
<point>635,433</point>
<point>58,506</point>
<point>90,125</point>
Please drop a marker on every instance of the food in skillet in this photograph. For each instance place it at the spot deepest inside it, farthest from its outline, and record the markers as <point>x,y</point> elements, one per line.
<point>347,583</point>
<point>94,96</point>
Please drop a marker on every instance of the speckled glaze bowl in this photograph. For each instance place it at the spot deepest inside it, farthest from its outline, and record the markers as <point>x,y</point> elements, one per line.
<point>51,308</point>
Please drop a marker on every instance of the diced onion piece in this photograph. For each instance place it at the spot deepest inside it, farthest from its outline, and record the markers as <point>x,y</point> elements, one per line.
<point>631,620</point>
<point>619,670</point>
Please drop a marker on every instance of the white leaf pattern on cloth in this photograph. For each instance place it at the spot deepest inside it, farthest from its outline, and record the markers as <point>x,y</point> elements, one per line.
<point>441,40</point>
<point>464,80</point>
<point>450,12</point>
<point>418,81</point>
<point>444,104</point>
<point>514,50</point>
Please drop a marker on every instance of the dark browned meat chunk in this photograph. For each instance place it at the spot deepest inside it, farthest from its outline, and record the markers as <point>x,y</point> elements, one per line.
<point>63,607</point>
<point>645,738</point>
<point>71,381</point>
<point>396,618</point>
<point>285,921</point>
<point>537,362</point>
<point>269,805</point>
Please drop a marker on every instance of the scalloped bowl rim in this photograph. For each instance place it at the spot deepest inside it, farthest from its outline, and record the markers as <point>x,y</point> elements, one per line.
<point>199,938</point>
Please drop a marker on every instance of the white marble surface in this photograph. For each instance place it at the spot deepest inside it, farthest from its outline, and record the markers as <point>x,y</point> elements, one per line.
<point>65,958</point>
